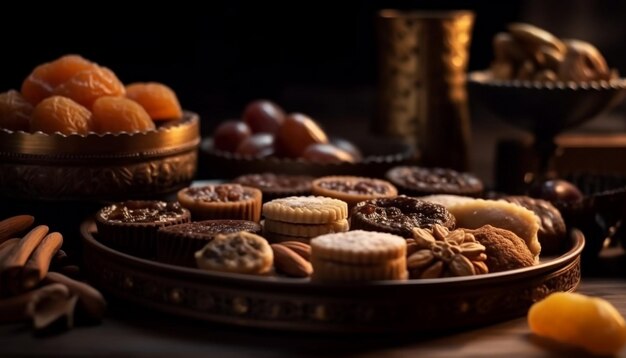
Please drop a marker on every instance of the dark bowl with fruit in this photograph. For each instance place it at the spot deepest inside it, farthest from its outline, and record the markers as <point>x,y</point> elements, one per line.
<point>268,140</point>
<point>594,203</point>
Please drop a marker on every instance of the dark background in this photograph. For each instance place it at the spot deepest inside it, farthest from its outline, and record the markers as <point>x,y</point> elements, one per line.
<point>317,57</point>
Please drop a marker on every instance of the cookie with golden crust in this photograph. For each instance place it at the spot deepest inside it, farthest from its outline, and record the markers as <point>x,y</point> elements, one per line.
<point>306,210</point>
<point>304,230</point>
<point>505,250</point>
<point>222,201</point>
<point>240,252</point>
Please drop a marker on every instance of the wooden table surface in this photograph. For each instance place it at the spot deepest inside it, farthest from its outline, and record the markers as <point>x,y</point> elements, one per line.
<point>135,331</point>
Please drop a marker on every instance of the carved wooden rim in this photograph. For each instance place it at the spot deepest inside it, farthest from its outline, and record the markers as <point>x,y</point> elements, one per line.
<point>297,304</point>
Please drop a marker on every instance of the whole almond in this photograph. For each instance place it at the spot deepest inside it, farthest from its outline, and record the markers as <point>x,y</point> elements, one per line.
<point>14,225</point>
<point>300,248</point>
<point>290,263</point>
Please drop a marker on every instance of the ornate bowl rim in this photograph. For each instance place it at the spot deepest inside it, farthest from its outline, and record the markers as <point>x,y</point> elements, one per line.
<point>484,78</point>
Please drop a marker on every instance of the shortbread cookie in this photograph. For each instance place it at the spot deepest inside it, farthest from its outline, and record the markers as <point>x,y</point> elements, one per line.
<point>240,252</point>
<point>519,220</point>
<point>223,201</point>
<point>358,247</point>
<point>306,210</point>
<point>338,272</point>
<point>353,189</point>
<point>358,256</point>
<point>304,230</point>
<point>505,250</point>
<point>399,215</point>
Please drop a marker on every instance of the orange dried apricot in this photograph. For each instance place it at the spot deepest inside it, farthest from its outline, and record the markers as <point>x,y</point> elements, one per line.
<point>46,77</point>
<point>60,114</point>
<point>119,114</point>
<point>588,322</point>
<point>87,86</point>
<point>14,111</point>
<point>159,100</point>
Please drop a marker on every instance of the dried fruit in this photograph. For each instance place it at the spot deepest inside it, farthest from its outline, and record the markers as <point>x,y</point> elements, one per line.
<point>157,99</point>
<point>87,86</point>
<point>263,116</point>
<point>588,322</point>
<point>297,132</point>
<point>119,114</point>
<point>229,135</point>
<point>14,111</point>
<point>440,252</point>
<point>41,83</point>
<point>60,114</point>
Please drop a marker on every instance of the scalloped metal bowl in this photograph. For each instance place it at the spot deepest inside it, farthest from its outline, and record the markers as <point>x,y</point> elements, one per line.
<point>38,166</point>
<point>379,155</point>
<point>544,107</point>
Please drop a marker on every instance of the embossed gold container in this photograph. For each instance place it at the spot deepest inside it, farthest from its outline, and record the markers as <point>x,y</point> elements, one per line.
<point>94,167</point>
<point>423,57</point>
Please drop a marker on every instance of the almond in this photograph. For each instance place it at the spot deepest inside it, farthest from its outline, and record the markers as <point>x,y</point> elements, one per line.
<point>290,263</point>
<point>300,248</point>
<point>14,225</point>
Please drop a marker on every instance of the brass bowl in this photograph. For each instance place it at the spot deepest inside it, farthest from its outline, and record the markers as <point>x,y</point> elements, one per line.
<point>97,167</point>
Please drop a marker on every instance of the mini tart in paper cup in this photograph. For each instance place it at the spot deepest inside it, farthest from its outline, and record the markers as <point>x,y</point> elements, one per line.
<point>131,226</point>
<point>353,189</point>
<point>276,186</point>
<point>176,245</point>
<point>222,201</point>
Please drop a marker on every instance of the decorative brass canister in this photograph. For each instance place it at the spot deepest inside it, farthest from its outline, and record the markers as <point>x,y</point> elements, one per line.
<point>422,96</point>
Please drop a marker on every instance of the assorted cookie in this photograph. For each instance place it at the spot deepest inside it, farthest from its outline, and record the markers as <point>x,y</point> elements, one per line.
<point>222,201</point>
<point>352,189</point>
<point>420,181</point>
<point>552,230</point>
<point>299,218</point>
<point>504,250</point>
<point>356,256</point>
<point>131,226</point>
<point>515,218</point>
<point>399,215</point>
<point>274,186</point>
<point>239,252</point>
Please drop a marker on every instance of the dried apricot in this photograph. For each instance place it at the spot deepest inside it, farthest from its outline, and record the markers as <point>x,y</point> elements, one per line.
<point>119,114</point>
<point>87,86</point>
<point>588,322</point>
<point>14,111</point>
<point>60,114</point>
<point>46,77</point>
<point>157,99</point>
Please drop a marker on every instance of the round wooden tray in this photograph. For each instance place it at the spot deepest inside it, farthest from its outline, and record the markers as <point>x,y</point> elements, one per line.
<point>429,306</point>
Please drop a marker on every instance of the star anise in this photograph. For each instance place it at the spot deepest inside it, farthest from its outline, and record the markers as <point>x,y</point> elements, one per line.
<point>440,253</point>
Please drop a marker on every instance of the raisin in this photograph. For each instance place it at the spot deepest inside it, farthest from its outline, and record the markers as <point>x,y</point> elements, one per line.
<point>119,114</point>
<point>157,99</point>
<point>41,83</point>
<point>86,87</point>
<point>14,111</point>
<point>588,322</point>
<point>60,114</point>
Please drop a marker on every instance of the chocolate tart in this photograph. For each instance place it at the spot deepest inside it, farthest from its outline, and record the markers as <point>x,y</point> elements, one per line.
<point>352,189</point>
<point>420,181</point>
<point>274,186</point>
<point>131,226</point>
<point>177,244</point>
